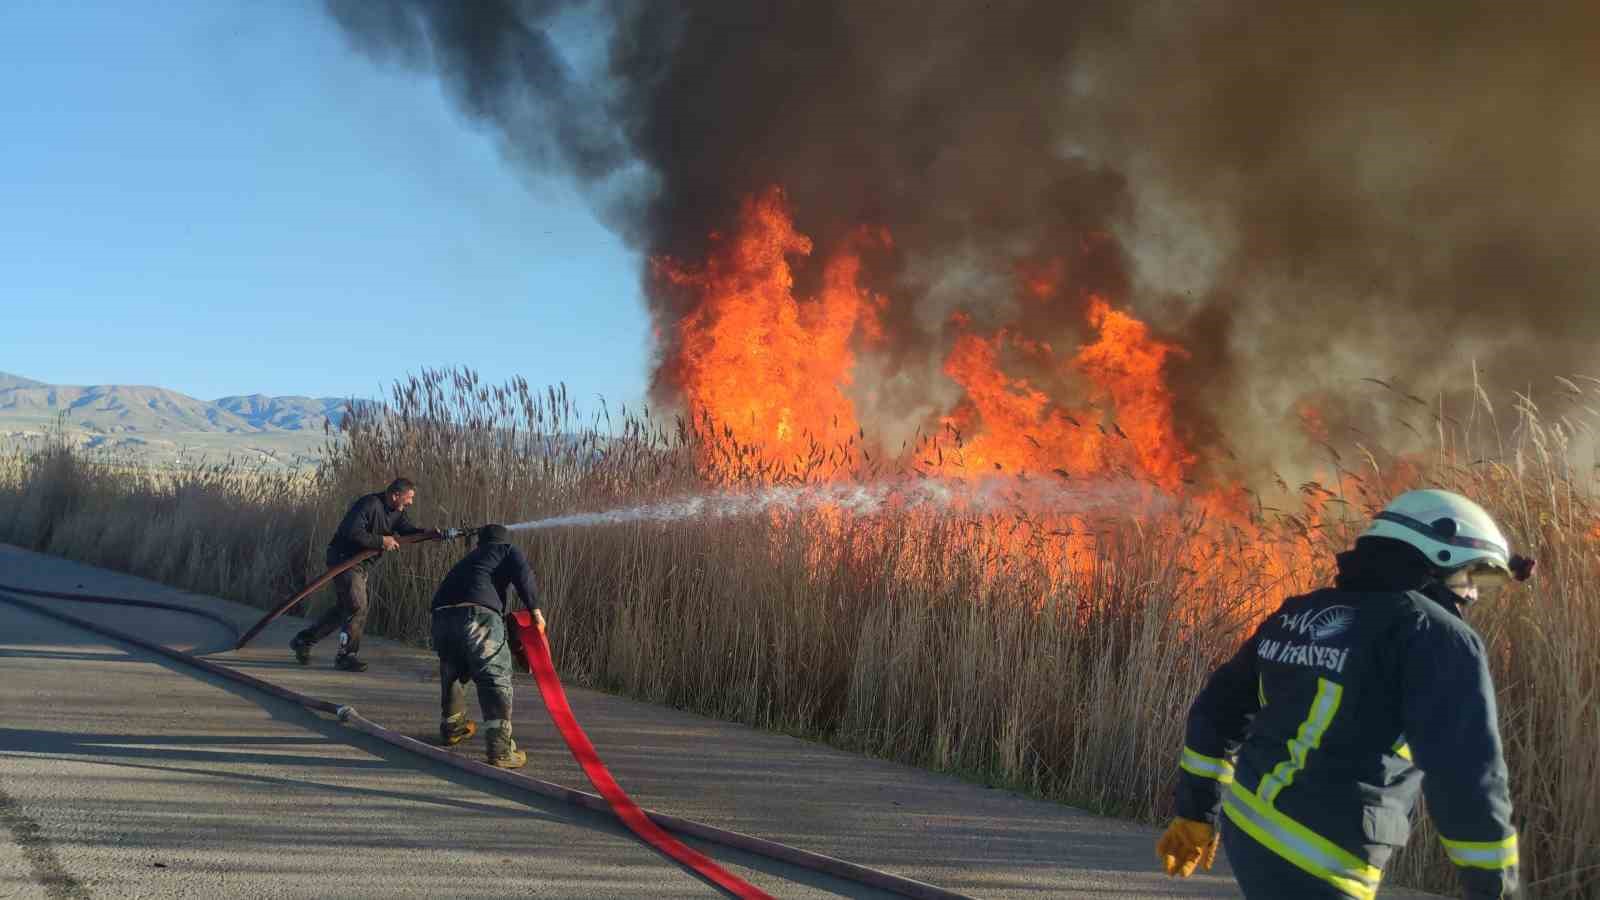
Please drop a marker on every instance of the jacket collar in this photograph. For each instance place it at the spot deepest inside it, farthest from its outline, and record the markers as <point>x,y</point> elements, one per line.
<point>1381,565</point>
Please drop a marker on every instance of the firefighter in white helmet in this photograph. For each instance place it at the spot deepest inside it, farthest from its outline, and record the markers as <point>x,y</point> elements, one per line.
<point>1309,746</point>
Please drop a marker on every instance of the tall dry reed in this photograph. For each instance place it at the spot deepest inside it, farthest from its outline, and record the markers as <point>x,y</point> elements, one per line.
<point>955,639</point>
<point>223,529</point>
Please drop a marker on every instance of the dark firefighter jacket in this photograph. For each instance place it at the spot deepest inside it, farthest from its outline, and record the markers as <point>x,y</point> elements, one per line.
<point>483,575</point>
<point>364,527</point>
<point>1313,739</point>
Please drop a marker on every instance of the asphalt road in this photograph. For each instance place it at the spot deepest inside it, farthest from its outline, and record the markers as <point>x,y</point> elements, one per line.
<point>125,774</point>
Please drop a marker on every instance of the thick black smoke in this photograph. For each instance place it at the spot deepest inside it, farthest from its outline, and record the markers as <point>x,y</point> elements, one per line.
<point>1300,194</point>
<point>501,65</point>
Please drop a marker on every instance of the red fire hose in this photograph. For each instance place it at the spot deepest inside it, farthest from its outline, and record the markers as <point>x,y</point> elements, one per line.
<point>533,651</point>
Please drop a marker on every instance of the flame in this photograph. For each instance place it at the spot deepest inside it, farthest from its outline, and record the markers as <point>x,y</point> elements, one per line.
<point>1042,280</point>
<point>1123,425</point>
<point>769,367</point>
<point>1129,366</point>
<point>1070,395</point>
<point>1312,421</point>
<point>774,370</point>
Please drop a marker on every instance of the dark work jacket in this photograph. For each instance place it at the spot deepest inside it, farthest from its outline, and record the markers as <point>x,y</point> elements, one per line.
<point>483,575</point>
<point>364,527</point>
<point>1314,738</point>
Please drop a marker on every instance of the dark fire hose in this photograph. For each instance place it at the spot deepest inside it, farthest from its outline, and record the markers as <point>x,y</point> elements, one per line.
<point>324,578</point>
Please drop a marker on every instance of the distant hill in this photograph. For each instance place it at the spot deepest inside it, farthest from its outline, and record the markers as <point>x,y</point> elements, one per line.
<point>12,381</point>
<point>284,413</point>
<point>162,424</point>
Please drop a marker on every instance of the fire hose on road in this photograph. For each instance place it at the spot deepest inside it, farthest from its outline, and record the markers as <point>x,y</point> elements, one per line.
<point>651,827</point>
<point>318,582</point>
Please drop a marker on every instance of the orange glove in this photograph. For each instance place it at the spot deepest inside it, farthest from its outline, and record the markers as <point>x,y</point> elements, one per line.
<point>1187,844</point>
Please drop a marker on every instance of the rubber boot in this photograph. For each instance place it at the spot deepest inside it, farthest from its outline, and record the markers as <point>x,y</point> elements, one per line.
<point>456,729</point>
<point>302,651</point>
<point>349,662</point>
<point>502,751</point>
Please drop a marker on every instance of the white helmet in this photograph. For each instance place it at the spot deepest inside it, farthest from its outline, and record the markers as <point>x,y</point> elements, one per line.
<point>1450,530</point>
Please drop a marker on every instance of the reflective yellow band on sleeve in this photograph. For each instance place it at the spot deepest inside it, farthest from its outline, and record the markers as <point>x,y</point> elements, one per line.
<point>1500,854</point>
<point>1206,766</point>
<point>1300,846</point>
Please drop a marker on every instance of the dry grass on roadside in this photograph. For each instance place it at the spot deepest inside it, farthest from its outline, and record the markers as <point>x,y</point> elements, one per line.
<point>939,639</point>
<point>222,529</point>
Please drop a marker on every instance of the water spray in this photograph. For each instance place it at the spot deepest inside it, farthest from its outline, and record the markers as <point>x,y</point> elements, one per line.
<point>872,499</point>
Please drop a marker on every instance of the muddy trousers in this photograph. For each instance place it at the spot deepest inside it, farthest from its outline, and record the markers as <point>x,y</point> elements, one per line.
<point>348,614</point>
<point>1264,875</point>
<point>471,643</point>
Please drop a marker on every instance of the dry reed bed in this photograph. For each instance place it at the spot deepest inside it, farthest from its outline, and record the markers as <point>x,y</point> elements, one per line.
<point>938,640</point>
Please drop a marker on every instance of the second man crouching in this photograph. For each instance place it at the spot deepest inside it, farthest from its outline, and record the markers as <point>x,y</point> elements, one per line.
<point>469,634</point>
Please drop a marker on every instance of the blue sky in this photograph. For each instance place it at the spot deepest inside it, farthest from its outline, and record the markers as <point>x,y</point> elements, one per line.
<point>220,197</point>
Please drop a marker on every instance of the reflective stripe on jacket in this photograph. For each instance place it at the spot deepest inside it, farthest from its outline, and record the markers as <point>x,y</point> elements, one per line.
<point>1314,737</point>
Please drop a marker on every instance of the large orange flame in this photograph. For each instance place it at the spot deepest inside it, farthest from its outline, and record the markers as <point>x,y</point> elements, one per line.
<point>773,370</point>
<point>1129,366</point>
<point>1064,411</point>
<point>770,367</point>
<point>1123,423</point>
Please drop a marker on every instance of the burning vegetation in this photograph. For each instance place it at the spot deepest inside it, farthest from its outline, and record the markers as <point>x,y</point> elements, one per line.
<point>778,370</point>
<point>1159,301</point>
<point>1179,224</point>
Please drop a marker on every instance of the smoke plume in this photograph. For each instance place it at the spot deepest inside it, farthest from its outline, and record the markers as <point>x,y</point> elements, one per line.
<point>1299,195</point>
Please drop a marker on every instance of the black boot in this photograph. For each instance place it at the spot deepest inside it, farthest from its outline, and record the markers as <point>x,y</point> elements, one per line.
<point>302,650</point>
<point>349,662</point>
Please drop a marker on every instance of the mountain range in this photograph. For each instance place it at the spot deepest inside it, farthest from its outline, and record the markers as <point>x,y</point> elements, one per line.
<point>156,423</point>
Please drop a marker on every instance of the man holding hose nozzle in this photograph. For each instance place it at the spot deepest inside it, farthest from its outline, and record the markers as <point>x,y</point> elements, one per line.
<point>1309,747</point>
<point>469,634</point>
<point>371,524</point>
